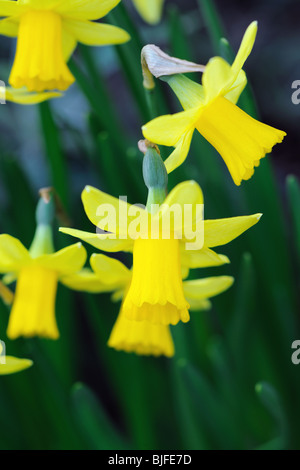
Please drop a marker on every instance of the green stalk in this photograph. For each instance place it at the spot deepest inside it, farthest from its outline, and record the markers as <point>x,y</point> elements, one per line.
<point>54,152</point>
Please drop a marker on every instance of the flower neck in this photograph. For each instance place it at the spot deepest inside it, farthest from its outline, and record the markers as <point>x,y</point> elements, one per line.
<point>42,243</point>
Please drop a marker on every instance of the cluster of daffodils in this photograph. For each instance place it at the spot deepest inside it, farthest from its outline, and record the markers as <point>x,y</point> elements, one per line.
<point>169,237</point>
<point>155,291</point>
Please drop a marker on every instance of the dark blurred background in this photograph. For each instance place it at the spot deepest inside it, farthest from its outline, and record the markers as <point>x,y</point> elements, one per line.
<point>125,382</point>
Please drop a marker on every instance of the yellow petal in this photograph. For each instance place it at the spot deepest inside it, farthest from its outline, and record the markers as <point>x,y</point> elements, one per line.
<point>9,8</point>
<point>219,78</point>
<point>9,28</point>
<point>42,4</point>
<point>199,304</point>
<point>189,93</point>
<point>245,47</point>
<point>69,44</point>
<point>85,280</point>
<point>109,213</point>
<point>102,242</point>
<point>200,289</point>
<point>182,209</point>
<point>9,278</point>
<point>118,295</point>
<point>203,258</point>
<point>6,295</point>
<point>150,11</point>
<point>221,231</point>
<point>187,192</point>
<point>13,365</point>
<point>86,9</point>
<point>95,34</point>
<point>13,255</point>
<point>236,88</point>
<point>180,153</point>
<point>168,130</point>
<point>110,271</point>
<point>216,77</point>
<point>22,96</point>
<point>65,261</point>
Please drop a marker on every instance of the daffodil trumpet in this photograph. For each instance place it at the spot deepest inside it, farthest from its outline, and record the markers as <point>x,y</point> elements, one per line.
<point>47,33</point>
<point>211,109</point>
<point>140,337</point>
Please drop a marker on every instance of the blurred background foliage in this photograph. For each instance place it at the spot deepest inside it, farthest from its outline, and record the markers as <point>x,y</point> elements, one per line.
<point>232,384</point>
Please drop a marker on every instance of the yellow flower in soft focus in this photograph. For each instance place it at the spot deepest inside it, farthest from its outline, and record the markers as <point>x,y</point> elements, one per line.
<point>140,337</point>
<point>11,365</point>
<point>211,109</point>
<point>48,32</point>
<point>150,10</point>
<point>22,96</point>
<point>37,272</point>
<point>156,292</point>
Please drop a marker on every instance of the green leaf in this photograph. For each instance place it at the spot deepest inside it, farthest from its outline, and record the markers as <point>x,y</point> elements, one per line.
<point>270,398</point>
<point>209,407</point>
<point>293,193</point>
<point>213,22</point>
<point>93,421</point>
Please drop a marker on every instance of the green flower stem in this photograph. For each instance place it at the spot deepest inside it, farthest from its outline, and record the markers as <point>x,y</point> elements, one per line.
<point>98,98</point>
<point>54,152</point>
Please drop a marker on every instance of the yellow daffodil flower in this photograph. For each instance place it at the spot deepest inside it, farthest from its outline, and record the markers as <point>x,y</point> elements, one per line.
<point>140,337</point>
<point>211,109</point>
<point>156,291</point>
<point>22,96</point>
<point>11,365</point>
<point>33,310</point>
<point>150,10</point>
<point>47,32</point>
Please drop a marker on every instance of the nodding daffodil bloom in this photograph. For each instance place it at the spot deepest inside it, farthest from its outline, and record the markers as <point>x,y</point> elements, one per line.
<point>150,10</point>
<point>37,272</point>
<point>11,365</point>
<point>211,109</point>
<point>156,291</point>
<point>47,32</point>
<point>22,96</point>
<point>140,337</point>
